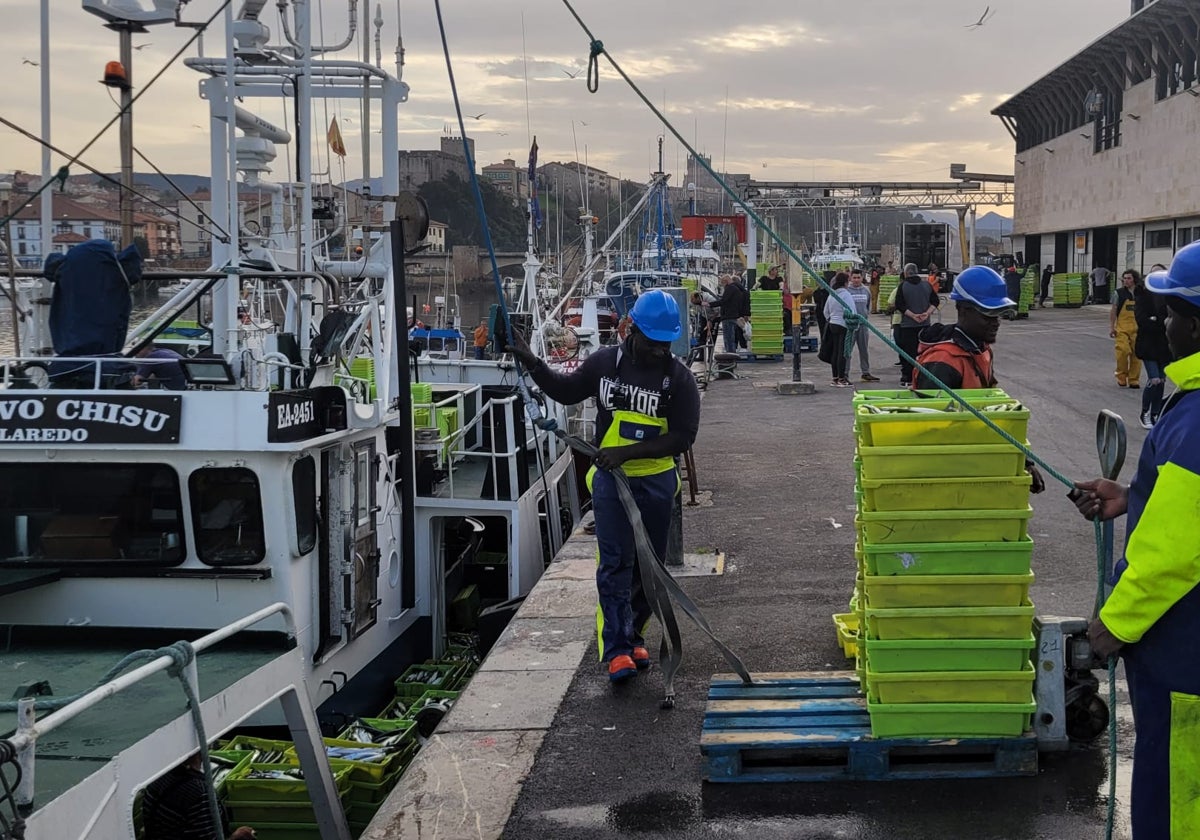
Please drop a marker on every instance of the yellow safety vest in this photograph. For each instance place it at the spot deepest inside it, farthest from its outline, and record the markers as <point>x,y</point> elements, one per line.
<point>629,427</point>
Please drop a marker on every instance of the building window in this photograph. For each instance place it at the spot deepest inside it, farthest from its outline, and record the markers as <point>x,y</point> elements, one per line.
<point>1158,238</point>
<point>1186,235</point>
<point>227,516</point>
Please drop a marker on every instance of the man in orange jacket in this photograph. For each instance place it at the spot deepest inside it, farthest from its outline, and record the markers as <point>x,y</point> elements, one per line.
<point>960,354</point>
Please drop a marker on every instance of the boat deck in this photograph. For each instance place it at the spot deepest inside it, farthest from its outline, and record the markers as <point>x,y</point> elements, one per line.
<point>73,661</point>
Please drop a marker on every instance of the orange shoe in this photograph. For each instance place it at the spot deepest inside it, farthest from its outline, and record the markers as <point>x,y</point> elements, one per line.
<point>621,668</point>
<point>641,658</point>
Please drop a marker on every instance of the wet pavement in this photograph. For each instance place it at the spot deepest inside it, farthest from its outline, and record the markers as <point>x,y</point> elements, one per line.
<point>613,765</point>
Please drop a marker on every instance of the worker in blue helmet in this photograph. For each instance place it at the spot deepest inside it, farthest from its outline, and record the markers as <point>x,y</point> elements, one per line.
<point>1152,617</point>
<point>960,354</point>
<point>647,414</point>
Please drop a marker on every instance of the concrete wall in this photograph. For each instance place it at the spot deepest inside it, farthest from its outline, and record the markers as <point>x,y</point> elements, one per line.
<point>1151,175</point>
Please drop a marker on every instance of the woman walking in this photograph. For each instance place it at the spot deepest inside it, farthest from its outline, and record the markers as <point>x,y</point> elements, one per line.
<point>1152,348</point>
<point>835,328</point>
<point>1123,327</point>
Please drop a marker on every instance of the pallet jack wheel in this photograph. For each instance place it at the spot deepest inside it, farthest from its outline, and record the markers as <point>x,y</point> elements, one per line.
<point>1087,719</point>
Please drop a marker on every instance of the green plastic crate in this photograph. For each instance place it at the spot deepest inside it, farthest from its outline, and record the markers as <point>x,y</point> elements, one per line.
<point>991,460</point>
<point>286,831</point>
<point>432,696</point>
<point>954,526</point>
<point>240,789</point>
<point>366,771</point>
<point>904,396</point>
<point>246,743</point>
<point>949,720</point>
<point>946,493</point>
<point>275,813</point>
<point>889,591</point>
<point>889,656</point>
<point>389,725</point>
<point>847,633</point>
<point>923,428</point>
<point>966,558</point>
<point>948,622</point>
<point>372,793</point>
<point>452,678</point>
<point>950,686</point>
<point>239,758</point>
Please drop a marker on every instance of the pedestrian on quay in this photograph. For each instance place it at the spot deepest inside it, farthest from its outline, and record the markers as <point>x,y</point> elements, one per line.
<point>480,338</point>
<point>916,301</point>
<point>835,328</point>
<point>1152,348</point>
<point>862,305</point>
<point>731,309</point>
<point>897,316</point>
<point>647,414</point>
<point>1152,617</point>
<point>1047,276</point>
<point>1122,328</point>
<point>874,286</point>
<point>771,281</point>
<point>1098,282</point>
<point>960,354</point>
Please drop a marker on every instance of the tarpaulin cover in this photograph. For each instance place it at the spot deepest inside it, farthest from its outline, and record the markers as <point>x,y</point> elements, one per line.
<point>89,313</point>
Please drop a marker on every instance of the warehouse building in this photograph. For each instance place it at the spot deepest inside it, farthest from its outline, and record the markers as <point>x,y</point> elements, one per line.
<point>1105,167</point>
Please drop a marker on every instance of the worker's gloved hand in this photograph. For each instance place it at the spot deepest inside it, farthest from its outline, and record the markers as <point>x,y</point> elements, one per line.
<point>1100,499</point>
<point>1104,643</point>
<point>521,351</point>
<point>1039,482</point>
<point>610,458</point>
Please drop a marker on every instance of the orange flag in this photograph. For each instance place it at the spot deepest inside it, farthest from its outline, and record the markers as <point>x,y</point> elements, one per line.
<point>334,136</point>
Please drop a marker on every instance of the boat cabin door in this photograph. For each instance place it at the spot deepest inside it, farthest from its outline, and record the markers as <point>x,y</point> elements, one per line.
<point>364,573</point>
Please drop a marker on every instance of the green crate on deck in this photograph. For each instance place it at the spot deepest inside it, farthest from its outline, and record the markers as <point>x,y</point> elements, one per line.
<point>365,770</point>
<point>963,558</point>
<point>948,622</point>
<point>1007,492</point>
<point>409,685</point>
<point>894,591</point>
<point>949,720</point>
<point>893,655</point>
<point>908,526</point>
<point>239,788</point>
<point>421,392</point>
<point>239,758</point>
<point>262,746</point>
<point>286,831</point>
<point>950,686</point>
<point>390,726</point>
<point>983,460</point>
<point>429,697</point>
<point>373,793</point>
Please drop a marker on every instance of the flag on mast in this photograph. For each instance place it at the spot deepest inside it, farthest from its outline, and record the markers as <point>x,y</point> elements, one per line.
<point>534,208</point>
<point>334,136</point>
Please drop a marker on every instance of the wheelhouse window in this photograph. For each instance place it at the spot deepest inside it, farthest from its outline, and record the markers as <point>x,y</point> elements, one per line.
<point>227,516</point>
<point>67,514</point>
<point>304,497</point>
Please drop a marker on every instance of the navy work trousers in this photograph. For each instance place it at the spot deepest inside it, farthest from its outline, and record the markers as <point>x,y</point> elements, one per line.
<point>624,612</point>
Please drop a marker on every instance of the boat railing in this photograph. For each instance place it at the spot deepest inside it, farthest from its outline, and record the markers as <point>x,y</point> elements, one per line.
<point>29,728</point>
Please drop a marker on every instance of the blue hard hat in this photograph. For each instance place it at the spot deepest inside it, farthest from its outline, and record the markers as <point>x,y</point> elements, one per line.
<point>1182,279</point>
<point>983,288</point>
<point>656,315</point>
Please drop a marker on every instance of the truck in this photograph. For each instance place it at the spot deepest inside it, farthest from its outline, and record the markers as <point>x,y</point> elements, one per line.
<point>924,243</point>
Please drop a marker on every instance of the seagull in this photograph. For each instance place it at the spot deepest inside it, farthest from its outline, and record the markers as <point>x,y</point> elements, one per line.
<point>983,18</point>
<point>28,61</point>
<point>581,122</point>
<point>502,133</point>
<point>571,75</point>
<point>477,116</point>
<point>142,46</point>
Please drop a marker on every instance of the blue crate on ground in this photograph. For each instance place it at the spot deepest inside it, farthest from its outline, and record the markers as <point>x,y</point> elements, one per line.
<point>814,727</point>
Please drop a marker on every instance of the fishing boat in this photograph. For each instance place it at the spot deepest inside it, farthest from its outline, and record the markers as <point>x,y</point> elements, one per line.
<point>295,495</point>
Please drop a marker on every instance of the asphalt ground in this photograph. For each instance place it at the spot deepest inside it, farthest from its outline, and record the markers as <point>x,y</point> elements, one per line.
<point>613,765</point>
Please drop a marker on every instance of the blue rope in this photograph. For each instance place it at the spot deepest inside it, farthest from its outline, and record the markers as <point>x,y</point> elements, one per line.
<point>531,406</point>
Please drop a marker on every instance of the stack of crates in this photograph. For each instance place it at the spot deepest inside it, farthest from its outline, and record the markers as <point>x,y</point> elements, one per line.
<point>273,798</point>
<point>941,600</point>
<point>371,782</point>
<point>1068,289</point>
<point>766,316</point>
<point>1030,282</point>
<point>887,285</point>
<point>422,404</point>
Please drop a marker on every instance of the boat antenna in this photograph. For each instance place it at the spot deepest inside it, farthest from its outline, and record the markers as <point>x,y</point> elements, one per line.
<point>725,145</point>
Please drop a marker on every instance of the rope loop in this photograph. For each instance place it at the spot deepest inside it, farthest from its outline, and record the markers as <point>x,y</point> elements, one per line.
<point>593,69</point>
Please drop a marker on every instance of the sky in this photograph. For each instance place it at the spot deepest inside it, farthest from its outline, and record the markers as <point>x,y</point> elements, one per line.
<point>784,90</point>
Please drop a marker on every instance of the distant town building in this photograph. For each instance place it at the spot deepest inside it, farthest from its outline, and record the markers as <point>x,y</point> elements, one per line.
<point>73,222</point>
<point>568,177</point>
<point>1105,170</point>
<point>508,177</point>
<point>196,229</point>
<point>418,167</point>
<point>437,237</point>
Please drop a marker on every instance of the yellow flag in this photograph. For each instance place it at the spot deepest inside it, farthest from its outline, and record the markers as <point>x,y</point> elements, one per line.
<point>334,136</point>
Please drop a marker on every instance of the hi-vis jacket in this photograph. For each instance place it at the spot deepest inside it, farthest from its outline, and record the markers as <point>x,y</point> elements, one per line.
<point>633,403</point>
<point>1162,549</point>
<point>947,353</point>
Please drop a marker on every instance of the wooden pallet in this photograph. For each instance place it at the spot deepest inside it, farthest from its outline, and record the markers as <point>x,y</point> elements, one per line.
<point>814,727</point>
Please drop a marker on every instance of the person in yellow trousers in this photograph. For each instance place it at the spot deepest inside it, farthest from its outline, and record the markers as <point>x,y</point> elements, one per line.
<point>1122,326</point>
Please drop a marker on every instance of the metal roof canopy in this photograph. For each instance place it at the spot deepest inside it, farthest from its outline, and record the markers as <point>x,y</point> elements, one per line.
<point>968,190</point>
<point>1128,54</point>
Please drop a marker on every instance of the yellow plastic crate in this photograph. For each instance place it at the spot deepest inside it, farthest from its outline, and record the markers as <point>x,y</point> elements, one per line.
<point>847,633</point>
<point>936,427</point>
<point>978,460</point>
<point>997,558</point>
<point>889,591</point>
<point>949,720</point>
<point>951,686</point>
<point>941,526</point>
<point>903,396</point>
<point>948,622</point>
<point>946,493</point>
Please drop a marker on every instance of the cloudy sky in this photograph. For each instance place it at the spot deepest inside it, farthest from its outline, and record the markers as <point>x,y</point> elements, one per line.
<point>820,89</point>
